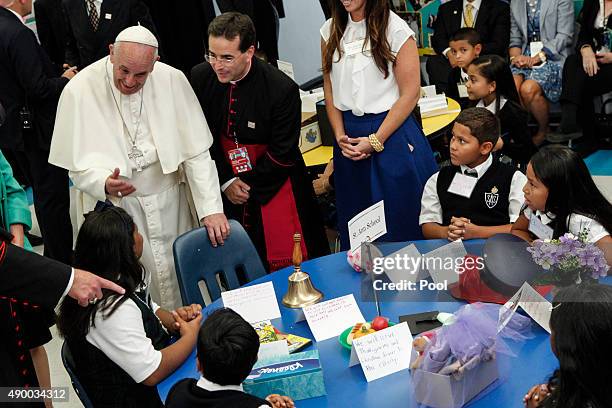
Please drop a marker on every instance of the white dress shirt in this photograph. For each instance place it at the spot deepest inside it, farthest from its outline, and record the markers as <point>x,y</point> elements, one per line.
<point>357,83</point>
<point>122,338</point>
<point>17,14</point>
<point>491,107</point>
<point>577,223</point>
<point>431,208</point>
<point>97,4</point>
<point>476,6</point>
<point>211,386</point>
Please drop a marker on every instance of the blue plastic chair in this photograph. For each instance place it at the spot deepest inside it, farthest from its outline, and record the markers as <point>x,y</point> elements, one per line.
<point>69,365</point>
<point>196,260</point>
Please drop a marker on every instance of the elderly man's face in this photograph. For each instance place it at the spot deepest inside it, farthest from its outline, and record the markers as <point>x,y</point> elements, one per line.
<point>229,63</point>
<point>132,64</point>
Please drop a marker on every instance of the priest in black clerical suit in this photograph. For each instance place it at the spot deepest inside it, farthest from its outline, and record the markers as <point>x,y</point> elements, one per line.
<point>254,113</point>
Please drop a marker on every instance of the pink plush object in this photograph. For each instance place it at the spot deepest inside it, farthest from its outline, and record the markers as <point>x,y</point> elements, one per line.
<point>354,258</point>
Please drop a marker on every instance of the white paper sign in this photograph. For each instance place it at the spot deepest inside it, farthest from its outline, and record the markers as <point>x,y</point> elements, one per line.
<point>534,304</point>
<point>254,303</point>
<point>428,91</point>
<point>441,262</point>
<point>383,352</point>
<point>368,225</point>
<point>329,319</point>
<point>463,185</point>
<point>410,270</point>
<point>540,229</point>
<point>286,67</point>
<point>535,47</point>
<point>272,350</point>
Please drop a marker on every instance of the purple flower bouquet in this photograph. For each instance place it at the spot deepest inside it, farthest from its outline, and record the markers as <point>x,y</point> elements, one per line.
<point>569,260</point>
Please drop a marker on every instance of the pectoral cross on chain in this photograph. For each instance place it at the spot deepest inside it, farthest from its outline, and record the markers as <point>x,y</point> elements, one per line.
<point>137,157</point>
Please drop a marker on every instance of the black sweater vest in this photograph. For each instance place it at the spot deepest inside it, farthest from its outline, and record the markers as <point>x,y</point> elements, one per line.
<point>186,393</point>
<point>105,383</point>
<point>488,204</point>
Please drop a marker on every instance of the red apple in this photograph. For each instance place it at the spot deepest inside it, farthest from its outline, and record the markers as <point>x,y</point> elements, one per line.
<point>380,323</point>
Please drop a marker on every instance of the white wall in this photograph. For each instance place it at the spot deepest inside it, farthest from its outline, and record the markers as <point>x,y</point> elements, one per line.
<point>299,39</point>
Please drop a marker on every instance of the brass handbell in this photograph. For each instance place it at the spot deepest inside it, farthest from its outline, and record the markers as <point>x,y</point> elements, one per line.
<point>301,292</point>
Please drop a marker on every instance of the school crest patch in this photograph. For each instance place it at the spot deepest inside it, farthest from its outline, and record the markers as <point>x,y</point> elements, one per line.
<point>492,197</point>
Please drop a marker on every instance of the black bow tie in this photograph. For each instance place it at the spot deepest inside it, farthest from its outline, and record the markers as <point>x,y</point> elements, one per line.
<point>471,173</point>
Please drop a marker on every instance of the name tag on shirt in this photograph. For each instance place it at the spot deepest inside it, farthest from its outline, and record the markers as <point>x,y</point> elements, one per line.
<point>463,93</point>
<point>354,47</point>
<point>535,47</point>
<point>462,185</point>
<point>108,16</point>
<point>539,229</point>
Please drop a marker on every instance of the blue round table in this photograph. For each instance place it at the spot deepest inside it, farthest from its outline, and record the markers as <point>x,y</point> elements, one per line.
<point>347,386</point>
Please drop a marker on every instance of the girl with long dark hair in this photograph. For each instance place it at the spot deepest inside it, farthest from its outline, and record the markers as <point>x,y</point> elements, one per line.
<point>581,331</point>
<point>120,343</point>
<point>562,195</point>
<point>490,85</point>
<point>372,84</point>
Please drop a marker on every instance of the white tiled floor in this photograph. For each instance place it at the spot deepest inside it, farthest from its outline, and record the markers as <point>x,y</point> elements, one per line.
<point>59,377</point>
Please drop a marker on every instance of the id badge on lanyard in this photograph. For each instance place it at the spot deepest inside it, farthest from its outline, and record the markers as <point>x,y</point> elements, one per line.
<point>239,159</point>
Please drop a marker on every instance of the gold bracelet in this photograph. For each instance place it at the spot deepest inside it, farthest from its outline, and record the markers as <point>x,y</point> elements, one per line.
<point>376,145</point>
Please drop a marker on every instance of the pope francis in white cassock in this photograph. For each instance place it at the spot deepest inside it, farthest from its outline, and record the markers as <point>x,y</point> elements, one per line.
<point>137,136</point>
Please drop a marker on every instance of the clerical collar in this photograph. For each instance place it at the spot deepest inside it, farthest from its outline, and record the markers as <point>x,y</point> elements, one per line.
<point>247,73</point>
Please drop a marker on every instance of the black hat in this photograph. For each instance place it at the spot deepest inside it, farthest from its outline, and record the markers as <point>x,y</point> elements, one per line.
<point>508,264</point>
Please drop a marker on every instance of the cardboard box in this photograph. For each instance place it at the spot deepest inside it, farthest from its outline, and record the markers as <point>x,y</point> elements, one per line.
<point>443,391</point>
<point>297,375</point>
<point>310,135</point>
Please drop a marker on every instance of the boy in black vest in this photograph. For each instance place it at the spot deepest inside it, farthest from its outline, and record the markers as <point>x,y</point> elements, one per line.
<point>465,46</point>
<point>227,350</point>
<point>477,196</point>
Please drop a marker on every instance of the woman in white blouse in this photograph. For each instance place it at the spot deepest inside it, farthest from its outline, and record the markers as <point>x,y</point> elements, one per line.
<point>372,84</point>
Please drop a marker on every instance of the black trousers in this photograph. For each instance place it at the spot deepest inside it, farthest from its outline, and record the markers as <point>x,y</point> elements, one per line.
<point>50,186</point>
<point>578,87</point>
<point>438,70</point>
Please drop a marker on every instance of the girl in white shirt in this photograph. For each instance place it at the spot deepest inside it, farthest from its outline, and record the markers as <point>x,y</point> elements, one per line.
<point>120,343</point>
<point>372,84</point>
<point>562,196</point>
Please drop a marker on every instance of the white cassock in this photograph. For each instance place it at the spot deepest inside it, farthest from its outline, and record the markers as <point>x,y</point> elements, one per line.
<point>91,140</point>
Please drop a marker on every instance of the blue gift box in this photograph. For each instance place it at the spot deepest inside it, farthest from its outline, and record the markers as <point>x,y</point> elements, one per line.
<point>298,375</point>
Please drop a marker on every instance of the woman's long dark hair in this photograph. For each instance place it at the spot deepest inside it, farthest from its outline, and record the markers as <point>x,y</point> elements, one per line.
<point>581,323</point>
<point>377,20</point>
<point>105,247</point>
<point>494,68</point>
<point>571,188</point>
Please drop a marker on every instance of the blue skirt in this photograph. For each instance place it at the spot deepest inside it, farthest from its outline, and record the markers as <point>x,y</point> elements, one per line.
<point>397,175</point>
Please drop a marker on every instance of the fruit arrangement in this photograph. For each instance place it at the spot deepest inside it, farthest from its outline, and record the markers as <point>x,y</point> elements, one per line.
<point>363,329</point>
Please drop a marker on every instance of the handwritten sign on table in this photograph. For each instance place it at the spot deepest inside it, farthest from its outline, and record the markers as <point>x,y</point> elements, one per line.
<point>383,352</point>
<point>254,303</point>
<point>329,319</point>
<point>534,304</point>
<point>367,225</point>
